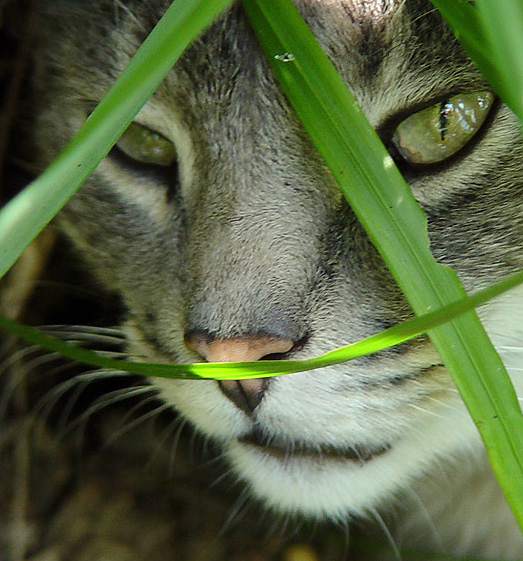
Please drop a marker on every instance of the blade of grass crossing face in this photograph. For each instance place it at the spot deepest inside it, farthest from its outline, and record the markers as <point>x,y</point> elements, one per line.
<point>386,208</point>
<point>28,213</point>
<point>242,370</point>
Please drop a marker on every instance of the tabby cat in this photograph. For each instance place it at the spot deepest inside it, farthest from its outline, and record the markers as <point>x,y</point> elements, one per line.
<point>227,238</point>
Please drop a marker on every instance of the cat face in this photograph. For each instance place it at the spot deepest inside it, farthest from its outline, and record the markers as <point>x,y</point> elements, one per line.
<point>228,239</point>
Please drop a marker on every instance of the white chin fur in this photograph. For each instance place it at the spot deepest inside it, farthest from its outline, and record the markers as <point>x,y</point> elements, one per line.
<point>337,488</point>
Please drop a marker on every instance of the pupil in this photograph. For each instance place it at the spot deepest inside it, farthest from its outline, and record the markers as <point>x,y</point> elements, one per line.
<point>444,110</point>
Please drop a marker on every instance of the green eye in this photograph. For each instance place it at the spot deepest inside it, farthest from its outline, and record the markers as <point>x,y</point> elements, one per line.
<point>146,146</point>
<point>436,133</point>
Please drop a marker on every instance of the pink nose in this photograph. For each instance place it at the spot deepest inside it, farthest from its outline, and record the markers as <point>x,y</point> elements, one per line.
<point>247,394</point>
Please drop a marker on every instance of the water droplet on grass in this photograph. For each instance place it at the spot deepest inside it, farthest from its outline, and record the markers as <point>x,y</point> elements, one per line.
<point>286,57</point>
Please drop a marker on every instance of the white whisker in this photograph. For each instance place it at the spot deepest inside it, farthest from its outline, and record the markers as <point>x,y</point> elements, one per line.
<point>130,425</point>
<point>177,427</point>
<point>235,513</point>
<point>109,399</point>
<point>388,535</point>
<point>162,437</point>
<point>51,398</point>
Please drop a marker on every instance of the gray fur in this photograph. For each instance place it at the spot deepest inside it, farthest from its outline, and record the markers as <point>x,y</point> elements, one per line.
<point>251,235</point>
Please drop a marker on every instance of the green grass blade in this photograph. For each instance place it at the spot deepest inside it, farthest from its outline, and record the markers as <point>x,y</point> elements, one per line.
<point>28,213</point>
<point>492,33</point>
<point>242,370</point>
<point>397,226</point>
<point>503,27</point>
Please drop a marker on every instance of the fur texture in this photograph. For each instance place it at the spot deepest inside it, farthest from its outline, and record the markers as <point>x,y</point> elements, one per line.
<point>250,235</point>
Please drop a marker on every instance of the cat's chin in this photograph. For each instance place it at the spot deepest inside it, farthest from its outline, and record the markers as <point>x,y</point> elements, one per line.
<point>323,481</point>
<point>317,482</point>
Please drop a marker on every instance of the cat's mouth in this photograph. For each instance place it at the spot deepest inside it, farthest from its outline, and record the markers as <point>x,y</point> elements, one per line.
<point>284,450</point>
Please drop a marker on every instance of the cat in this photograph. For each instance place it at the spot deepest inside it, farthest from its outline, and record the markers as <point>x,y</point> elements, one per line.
<point>227,238</point>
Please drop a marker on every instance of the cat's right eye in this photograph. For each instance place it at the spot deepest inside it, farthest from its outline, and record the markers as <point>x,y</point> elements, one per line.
<point>146,146</point>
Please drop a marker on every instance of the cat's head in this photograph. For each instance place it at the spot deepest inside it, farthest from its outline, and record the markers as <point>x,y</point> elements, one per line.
<point>228,238</point>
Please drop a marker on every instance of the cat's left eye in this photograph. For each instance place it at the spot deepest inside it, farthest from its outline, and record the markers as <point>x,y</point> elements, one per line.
<point>146,146</point>
<point>442,130</point>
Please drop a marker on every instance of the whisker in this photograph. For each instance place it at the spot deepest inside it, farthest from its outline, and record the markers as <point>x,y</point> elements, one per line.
<point>19,355</point>
<point>20,364</point>
<point>66,412</point>
<point>388,535</point>
<point>428,411</point>
<point>512,348</point>
<point>234,514</point>
<point>24,370</point>
<point>128,426</point>
<point>424,512</point>
<point>51,398</point>
<point>220,478</point>
<point>176,426</point>
<point>175,442</point>
<point>344,524</point>
<point>107,400</point>
<point>111,333</point>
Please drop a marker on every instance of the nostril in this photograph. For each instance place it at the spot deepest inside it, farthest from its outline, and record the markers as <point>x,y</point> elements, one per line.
<point>247,394</point>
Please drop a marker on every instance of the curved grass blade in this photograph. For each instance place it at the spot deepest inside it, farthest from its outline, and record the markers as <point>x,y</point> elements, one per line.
<point>28,213</point>
<point>242,370</point>
<point>396,224</point>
